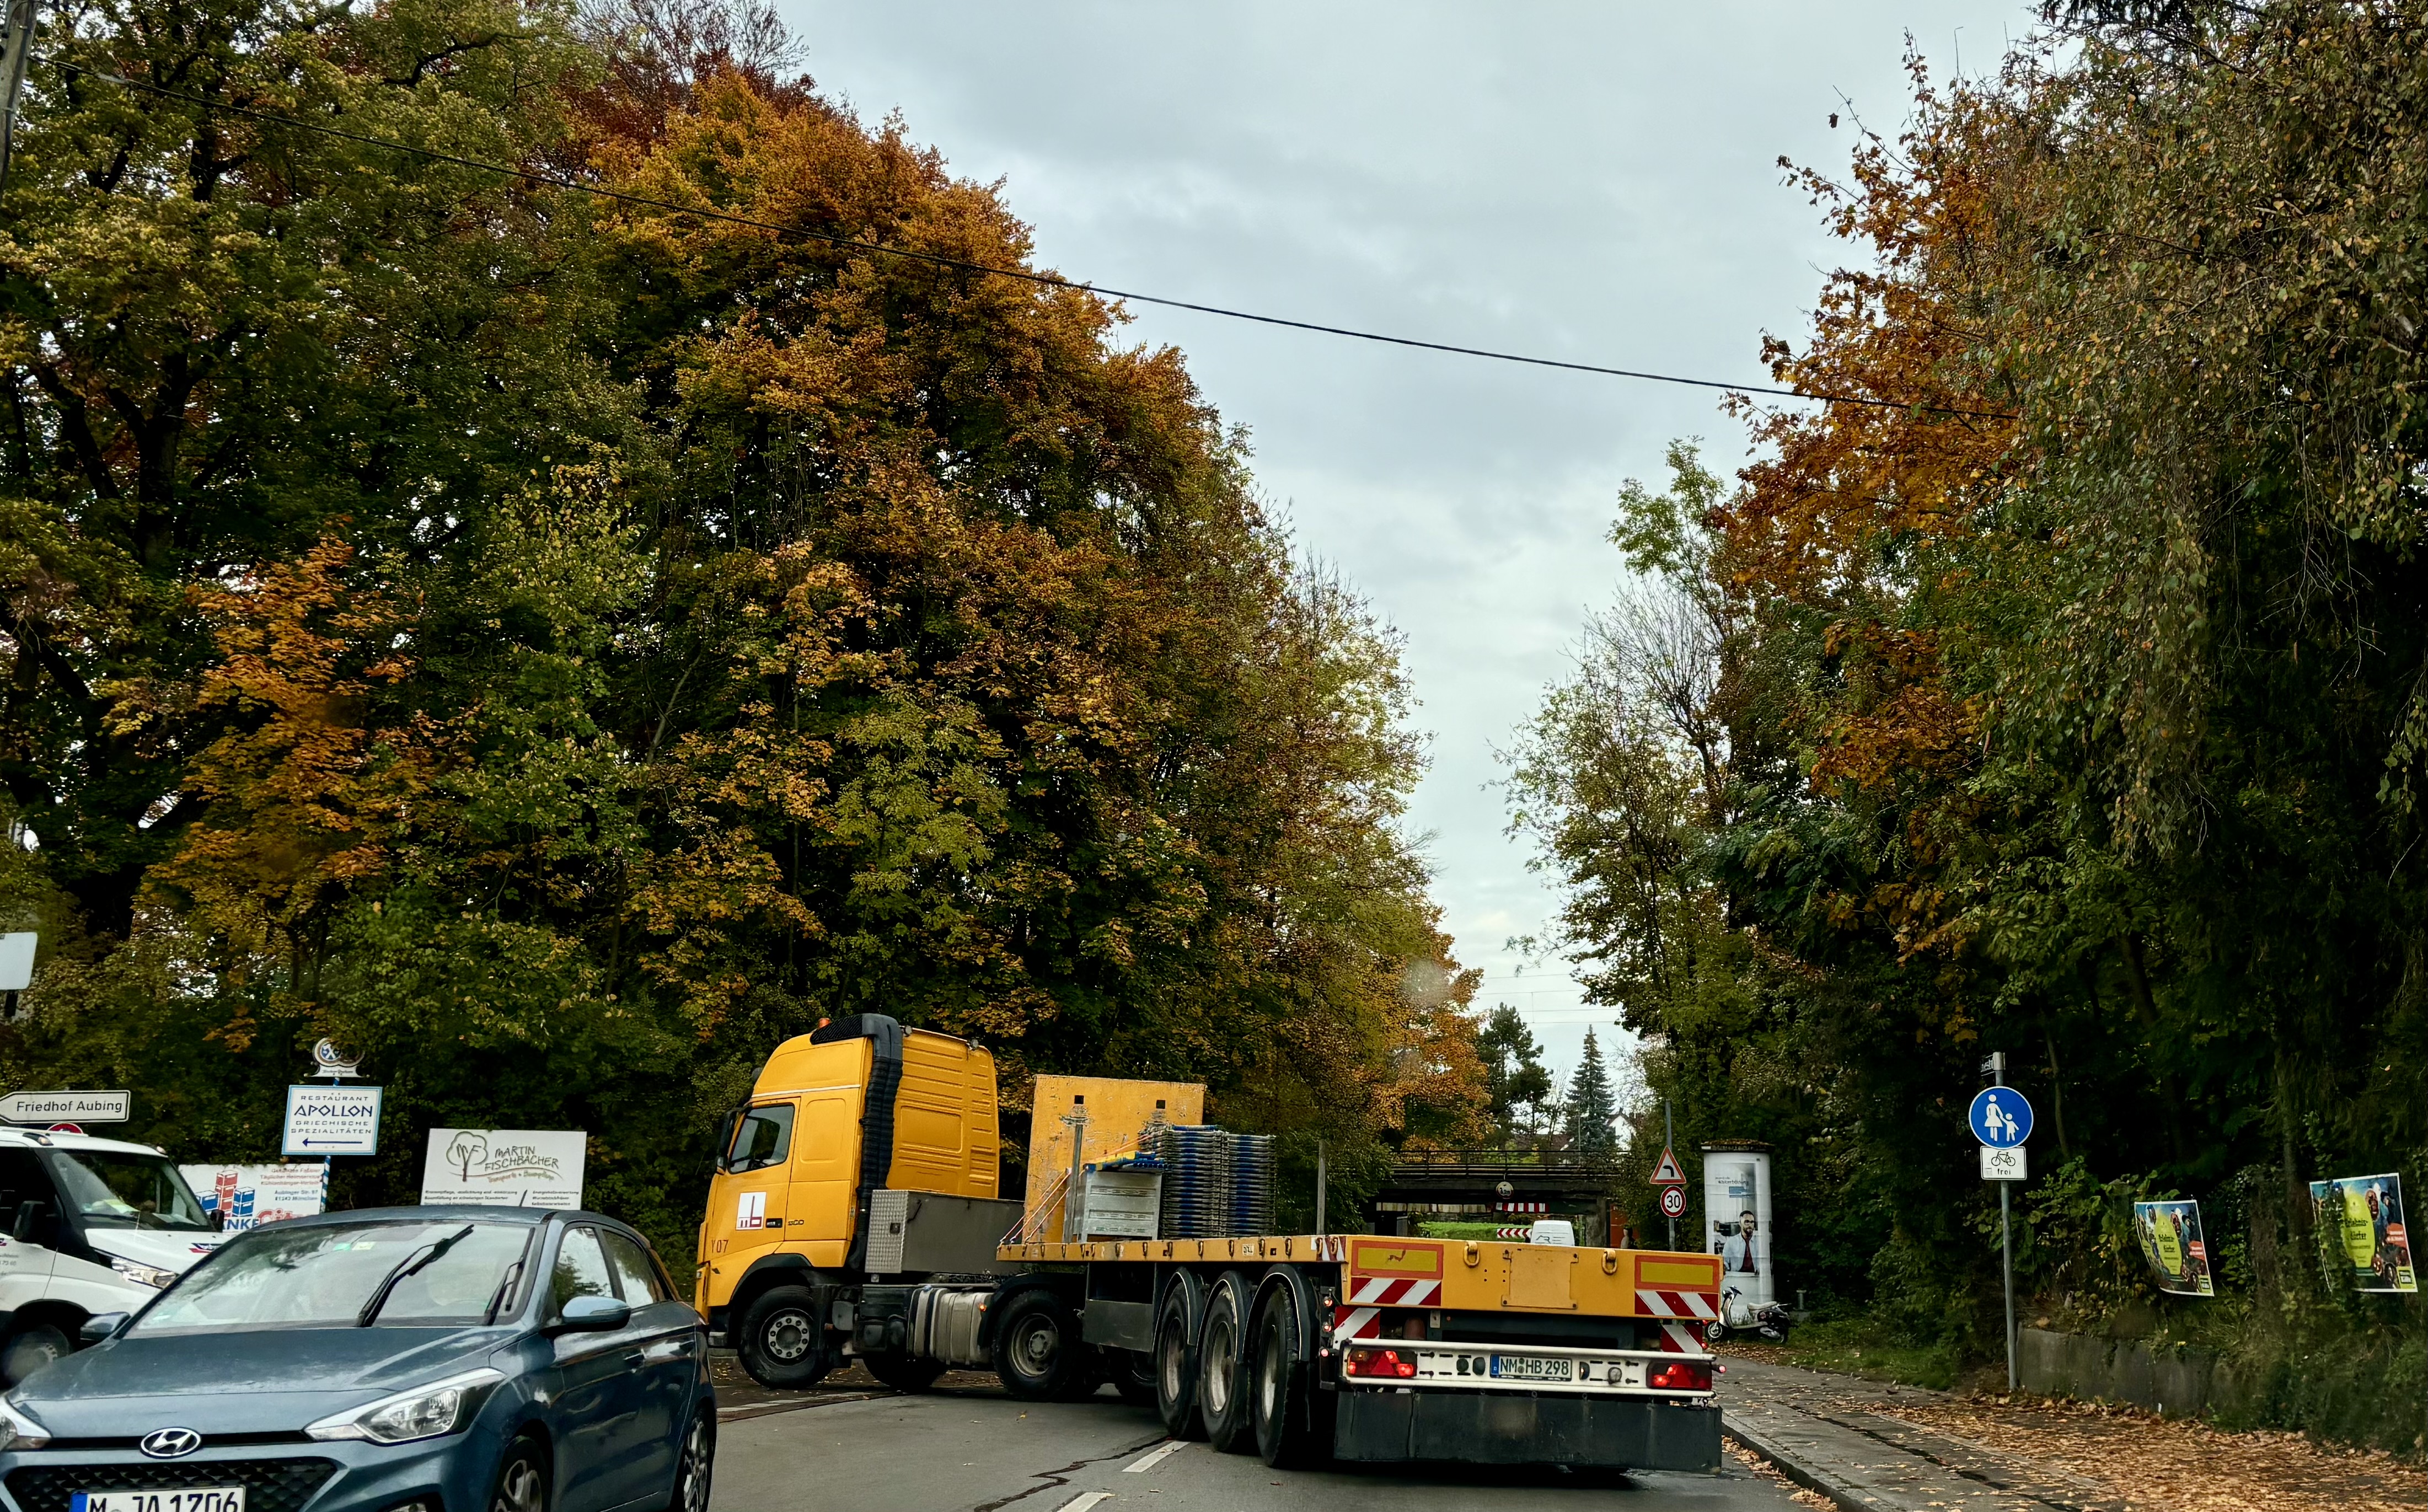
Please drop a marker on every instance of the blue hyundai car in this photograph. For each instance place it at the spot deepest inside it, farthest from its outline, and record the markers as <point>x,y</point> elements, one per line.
<point>400,1359</point>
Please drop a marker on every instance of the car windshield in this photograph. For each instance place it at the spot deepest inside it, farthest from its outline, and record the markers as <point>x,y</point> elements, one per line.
<point>323,1275</point>
<point>111,1189</point>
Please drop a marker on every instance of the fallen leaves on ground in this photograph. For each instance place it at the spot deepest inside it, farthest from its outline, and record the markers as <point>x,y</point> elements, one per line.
<point>1763,1469</point>
<point>2175,1464</point>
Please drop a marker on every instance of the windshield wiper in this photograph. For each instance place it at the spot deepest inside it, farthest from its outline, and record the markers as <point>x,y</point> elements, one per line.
<point>405,1267</point>
<point>497,1298</point>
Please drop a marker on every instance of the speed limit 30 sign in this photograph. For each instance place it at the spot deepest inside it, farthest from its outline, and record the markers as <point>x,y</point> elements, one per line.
<point>1673,1201</point>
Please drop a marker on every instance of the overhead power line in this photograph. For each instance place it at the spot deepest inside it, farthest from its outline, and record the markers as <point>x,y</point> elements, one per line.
<point>1022,274</point>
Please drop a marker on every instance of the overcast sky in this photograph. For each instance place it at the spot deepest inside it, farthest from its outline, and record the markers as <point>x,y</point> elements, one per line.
<point>1598,183</point>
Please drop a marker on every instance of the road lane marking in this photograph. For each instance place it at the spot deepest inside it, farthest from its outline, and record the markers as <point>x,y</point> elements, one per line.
<point>1086,1500</point>
<point>1154,1456</point>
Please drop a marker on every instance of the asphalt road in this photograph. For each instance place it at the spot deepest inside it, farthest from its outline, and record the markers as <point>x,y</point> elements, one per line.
<point>977,1451</point>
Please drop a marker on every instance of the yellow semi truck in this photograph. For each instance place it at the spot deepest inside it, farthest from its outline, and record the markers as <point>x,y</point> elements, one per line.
<point>854,1214</point>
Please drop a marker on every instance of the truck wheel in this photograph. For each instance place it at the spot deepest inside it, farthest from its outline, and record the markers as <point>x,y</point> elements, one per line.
<point>1132,1374</point>
<point>783,1340</point>
<point>1293,1419</point>
<point>1221,1376</point>
<point>1037,1349</point>
<point>902,1372</point>
<point>31,1348</point>
<point>1175,1367</point>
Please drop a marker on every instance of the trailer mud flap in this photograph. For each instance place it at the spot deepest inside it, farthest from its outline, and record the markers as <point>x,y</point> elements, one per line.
<point>1512,1429</point>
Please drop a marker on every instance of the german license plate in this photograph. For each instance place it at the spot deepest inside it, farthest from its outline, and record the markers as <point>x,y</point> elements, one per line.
<point>185,1499</point>
<point>1531,1368</point>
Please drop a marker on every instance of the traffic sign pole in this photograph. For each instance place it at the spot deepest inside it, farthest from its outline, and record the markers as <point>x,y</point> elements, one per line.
<point>1669,1141</point>
<point>2006,1233</point>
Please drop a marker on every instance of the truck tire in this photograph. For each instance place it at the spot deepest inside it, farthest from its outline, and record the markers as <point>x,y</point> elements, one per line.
<point>1221,1369</point>
<point>782,1339</point>
<point>1132,1374</point>
<point>1037,1349</point>
<point>904,1373</point>
<point>1293,1419</point>
<point>1176,1363</point>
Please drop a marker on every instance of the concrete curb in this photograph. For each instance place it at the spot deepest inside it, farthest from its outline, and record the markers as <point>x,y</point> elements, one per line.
<point>1839,1492</point>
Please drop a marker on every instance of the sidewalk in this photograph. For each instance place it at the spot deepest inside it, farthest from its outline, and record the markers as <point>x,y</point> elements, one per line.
<point>1881,1448</point>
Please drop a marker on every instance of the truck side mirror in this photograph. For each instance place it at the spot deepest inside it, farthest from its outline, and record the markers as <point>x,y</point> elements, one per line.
<point>29,1214</point>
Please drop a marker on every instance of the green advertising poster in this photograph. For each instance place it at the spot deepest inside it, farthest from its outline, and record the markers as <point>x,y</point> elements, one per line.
<point>2170,1235</point>
<point>2360,1220</point>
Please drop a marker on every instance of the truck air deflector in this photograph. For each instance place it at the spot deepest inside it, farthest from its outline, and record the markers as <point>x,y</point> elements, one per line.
<point>884,1035</point>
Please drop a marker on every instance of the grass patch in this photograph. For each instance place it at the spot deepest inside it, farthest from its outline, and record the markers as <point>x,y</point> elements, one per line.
<point>1859,1346</point>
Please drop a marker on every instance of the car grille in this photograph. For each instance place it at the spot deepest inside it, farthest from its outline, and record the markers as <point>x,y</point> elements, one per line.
<point>270,1485</point>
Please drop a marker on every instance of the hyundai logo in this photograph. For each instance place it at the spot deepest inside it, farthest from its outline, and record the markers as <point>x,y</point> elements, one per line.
<point>170,1443</point>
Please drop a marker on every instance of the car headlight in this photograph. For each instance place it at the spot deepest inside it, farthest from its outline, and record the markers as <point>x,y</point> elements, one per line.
<point>424,1413</point>
<point>18,1431</point>
<point>149,1275</point>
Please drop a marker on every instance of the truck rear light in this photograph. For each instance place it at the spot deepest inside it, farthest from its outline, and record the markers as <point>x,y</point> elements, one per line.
<point>1681,1376</point>
<point>1389,1364</point>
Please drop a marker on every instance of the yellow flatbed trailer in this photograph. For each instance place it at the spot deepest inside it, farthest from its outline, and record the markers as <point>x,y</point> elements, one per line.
<point>1298,1347</point>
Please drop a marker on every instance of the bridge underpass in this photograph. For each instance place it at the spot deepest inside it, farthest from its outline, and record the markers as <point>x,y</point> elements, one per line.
<point>1507,1186</point>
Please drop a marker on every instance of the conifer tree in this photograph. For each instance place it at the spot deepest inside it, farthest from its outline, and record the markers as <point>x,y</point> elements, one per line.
<point>1592,1111</point>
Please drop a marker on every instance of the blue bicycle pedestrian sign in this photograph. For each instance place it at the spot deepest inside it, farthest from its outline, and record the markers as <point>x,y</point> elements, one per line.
<point>2001,1118</point>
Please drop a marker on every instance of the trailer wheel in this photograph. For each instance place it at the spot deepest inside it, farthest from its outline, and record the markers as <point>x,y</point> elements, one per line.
<point>904,1373</point>
<point>1037,1349</point>
<point>1222,1373</point>
<point>783,1340</point>
<point>1293,1419</point>
<point>1132,1374</point>
<point>1175,1365</point>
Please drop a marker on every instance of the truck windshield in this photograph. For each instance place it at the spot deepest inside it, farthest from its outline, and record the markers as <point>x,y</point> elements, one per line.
<point>112,1189</point>
<point>322,1275</point>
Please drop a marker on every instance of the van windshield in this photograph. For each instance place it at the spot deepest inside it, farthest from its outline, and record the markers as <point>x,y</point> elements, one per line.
<point>112,1189</point>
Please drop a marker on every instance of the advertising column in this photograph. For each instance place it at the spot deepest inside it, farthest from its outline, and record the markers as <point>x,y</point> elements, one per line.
<point>1736,1218</point>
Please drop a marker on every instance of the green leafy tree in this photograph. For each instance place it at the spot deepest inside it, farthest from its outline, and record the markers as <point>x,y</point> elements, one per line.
<point>1516,1080</point>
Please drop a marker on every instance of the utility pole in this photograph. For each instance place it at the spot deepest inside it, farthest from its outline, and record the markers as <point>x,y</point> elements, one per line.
<point>1669,1141</point>
<point>1320,1174</point>
<point>2005,1233</point>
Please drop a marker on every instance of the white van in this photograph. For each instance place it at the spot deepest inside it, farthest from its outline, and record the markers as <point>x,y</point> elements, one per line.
<point>87,1226</point>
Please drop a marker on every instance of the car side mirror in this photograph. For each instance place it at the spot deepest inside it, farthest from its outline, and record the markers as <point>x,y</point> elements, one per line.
<point>102,1326</point>
<point>594,1315</point>
<point>219,1220</point>
<point>29,1214</point>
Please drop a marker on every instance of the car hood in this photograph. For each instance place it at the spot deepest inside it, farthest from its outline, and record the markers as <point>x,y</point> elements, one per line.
<point>266,1380</point>
<point>162,1249</point>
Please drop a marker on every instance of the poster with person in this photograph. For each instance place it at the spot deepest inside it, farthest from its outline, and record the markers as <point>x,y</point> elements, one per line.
<point>1737,1208</point>
<point>2171,1240</point>
<point>2360,1221</point>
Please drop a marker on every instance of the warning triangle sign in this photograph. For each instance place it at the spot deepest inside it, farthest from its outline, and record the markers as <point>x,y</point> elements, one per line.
<point>1667,1173</point>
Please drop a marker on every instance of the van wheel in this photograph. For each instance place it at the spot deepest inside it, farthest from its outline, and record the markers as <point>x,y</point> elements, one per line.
<point>783,1340</point>
<point>1037,1349</point>
<point>902,1372</point>
<point>1221,1382</point>
<point>31,1348</point>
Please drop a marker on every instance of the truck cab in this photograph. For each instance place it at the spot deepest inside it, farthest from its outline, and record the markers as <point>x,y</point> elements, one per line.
<point>87,1227</point>
<point>858,1118</point>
